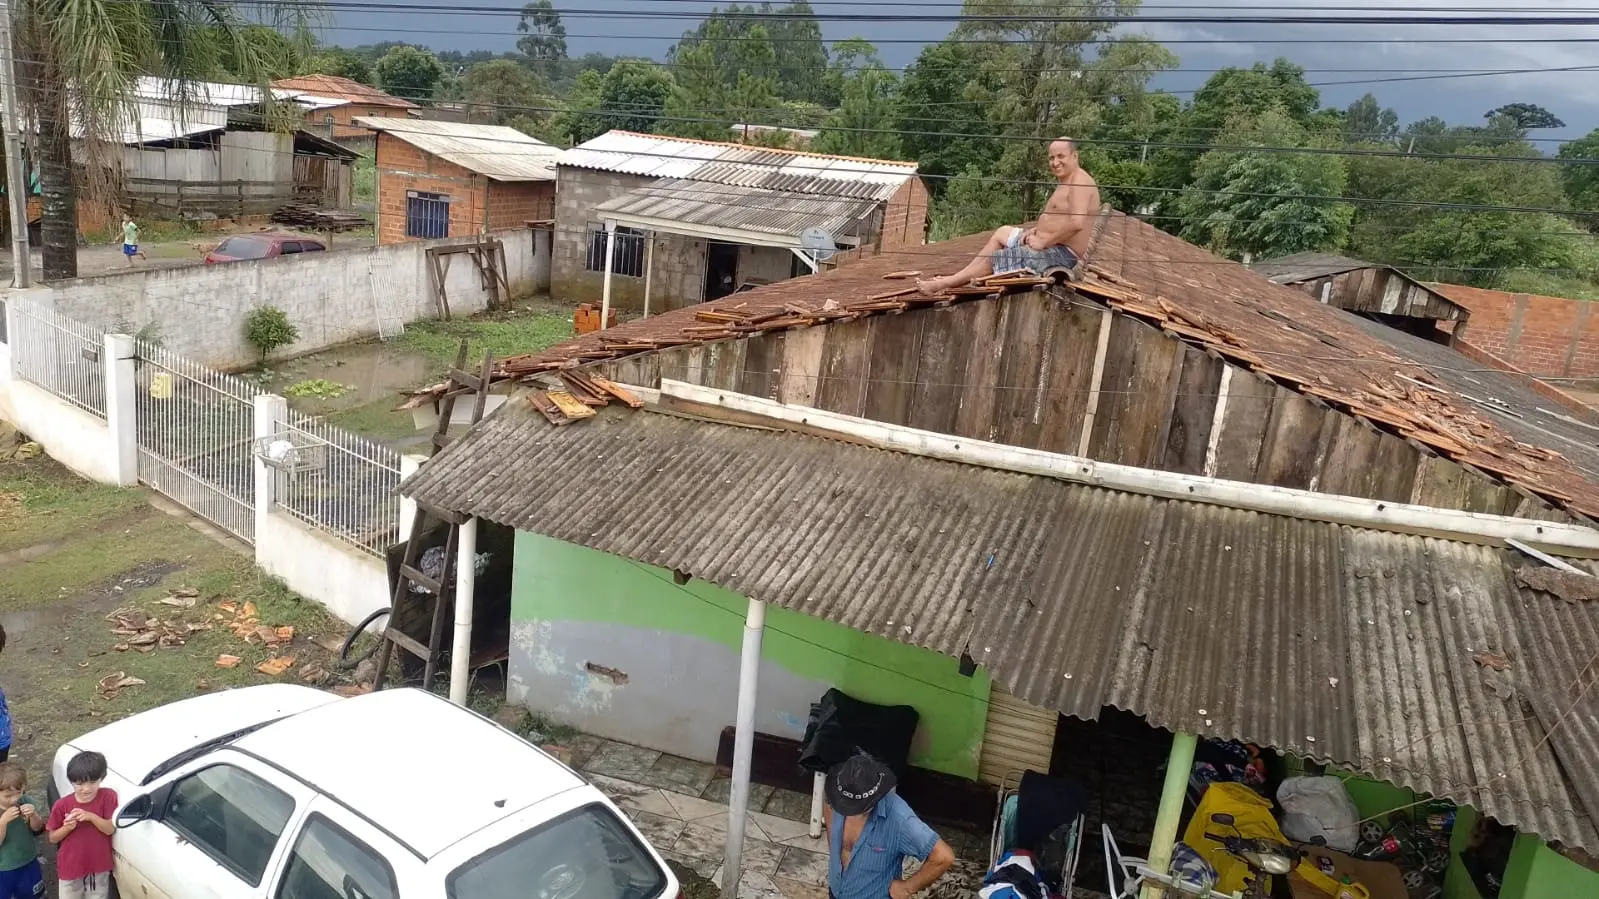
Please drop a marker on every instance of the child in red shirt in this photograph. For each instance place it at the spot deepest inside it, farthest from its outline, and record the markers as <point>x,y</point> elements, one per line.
<point>80,827</point>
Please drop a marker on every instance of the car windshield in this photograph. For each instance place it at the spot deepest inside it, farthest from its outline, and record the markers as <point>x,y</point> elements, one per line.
<point>243,248</point>
<point>585,854</point>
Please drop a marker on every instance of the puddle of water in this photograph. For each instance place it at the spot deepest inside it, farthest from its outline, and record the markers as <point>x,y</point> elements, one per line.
<point>368,371</point>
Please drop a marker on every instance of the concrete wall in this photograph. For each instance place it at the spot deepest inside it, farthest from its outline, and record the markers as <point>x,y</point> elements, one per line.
<point>350,583</point>
<point>331,297</point>
<point>767,264</point>
<point>618,649</point>
<point>1537,334</point>
<point>677,275</point>
<point>71,436</point>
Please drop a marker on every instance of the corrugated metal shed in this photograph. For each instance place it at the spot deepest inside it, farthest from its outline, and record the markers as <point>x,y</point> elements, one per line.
<point>783,214</point>
<point>740,165</point>
<point>1351,646</point>
<point>495,151</point>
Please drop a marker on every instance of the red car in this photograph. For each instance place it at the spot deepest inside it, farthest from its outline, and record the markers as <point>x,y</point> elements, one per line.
<point>264,245</point>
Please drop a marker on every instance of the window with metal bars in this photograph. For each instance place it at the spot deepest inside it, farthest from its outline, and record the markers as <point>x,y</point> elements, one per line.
<point>628,260</point>
<point>426,215</point>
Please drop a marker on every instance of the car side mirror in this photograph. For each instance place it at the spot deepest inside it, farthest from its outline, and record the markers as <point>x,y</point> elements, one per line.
<point>138,809</point>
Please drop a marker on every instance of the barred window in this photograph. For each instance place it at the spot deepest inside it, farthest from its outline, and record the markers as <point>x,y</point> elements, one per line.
<point>628,260</point>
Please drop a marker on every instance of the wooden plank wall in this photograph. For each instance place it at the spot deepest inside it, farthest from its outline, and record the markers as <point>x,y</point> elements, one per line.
<point>1034,371</point>
<point>1380,290</point>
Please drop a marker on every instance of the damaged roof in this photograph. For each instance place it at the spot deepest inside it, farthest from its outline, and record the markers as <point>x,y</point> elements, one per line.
<point>778,214</point>
<point>1309,266</point>
<point>1405,658</point>
<point>740,165</point>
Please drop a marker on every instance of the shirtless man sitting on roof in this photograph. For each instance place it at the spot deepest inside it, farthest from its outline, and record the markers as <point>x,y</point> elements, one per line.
<point>1058,240</point>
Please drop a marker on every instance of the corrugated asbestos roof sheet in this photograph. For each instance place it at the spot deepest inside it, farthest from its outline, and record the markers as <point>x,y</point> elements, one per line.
<point>1308,266</point>
<point>740,165</point>
<point>495,151</point>
<point>1351,646</point>
<point>775,212</point>
<point>344,90</point>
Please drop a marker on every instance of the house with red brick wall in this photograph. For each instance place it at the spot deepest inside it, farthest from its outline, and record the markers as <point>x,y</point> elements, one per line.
<point>335,103</point>
<point>1541,335</point>
<point>455,179</point>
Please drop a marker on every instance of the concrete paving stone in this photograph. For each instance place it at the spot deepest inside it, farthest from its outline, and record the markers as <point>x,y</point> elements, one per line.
<point>583,747</point>
<point>721,788</point>
<point>622,761</point>
<point>808,843</point>
<point>799,889</point>
<point>704,867</point>
<point>755,885</point>
<point>679,774</point>
<point>760,857</point>
<point>618,790</point>
<point>653,801</point>
<point>658,829</point>
<point>803,866</point>
<point>780,829</point>
<point>693,808</point>
<point>789,804</point>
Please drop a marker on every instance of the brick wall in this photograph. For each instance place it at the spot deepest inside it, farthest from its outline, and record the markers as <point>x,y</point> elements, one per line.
<point>905,217</point>
<point>1550,336</point>
<point>514,204</point>
<point>402,167</point>
<point>331,297</point>
<point>343,119</point>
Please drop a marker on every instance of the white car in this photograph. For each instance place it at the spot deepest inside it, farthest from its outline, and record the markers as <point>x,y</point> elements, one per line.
<point>289,792</point>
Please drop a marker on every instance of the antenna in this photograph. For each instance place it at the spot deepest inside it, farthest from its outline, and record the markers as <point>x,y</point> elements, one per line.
<point>818,243</point>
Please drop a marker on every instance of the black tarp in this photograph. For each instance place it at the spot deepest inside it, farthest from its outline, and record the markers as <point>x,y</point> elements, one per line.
<point>841,725</point>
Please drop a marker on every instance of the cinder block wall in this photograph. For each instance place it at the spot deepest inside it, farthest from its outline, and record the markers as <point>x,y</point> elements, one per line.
<point>1540,335</point>
<point>332,298</point>
<point>678,266</point>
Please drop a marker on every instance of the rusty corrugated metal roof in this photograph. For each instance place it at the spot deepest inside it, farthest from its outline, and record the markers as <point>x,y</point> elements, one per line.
<point>1347,645</point>
<point>774,212</point>
<point>739,165</point>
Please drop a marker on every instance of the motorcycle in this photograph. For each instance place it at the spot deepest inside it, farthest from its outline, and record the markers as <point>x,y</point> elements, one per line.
<point>1267,858</point>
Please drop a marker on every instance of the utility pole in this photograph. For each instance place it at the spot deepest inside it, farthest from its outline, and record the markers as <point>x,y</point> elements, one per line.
<point>16,176</point>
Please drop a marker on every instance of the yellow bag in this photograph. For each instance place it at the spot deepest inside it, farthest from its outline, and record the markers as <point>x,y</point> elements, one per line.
<point>1252,819</point>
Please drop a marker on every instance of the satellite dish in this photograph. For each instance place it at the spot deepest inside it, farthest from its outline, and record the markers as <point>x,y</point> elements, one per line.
<point>818,243</point>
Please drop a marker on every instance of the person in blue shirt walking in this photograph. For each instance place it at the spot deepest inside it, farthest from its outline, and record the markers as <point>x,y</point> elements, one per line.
<point>5,713</point>
<point>870,833</point>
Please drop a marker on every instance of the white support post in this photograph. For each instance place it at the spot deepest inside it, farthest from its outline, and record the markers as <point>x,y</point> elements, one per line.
<point>465,585</point>
<point>818,783</point>
<point>649,267</point>
<point>409,463</point>
<point>610,259</point>
<point>121,405</point>
<point>749,670</point>
<point>269,410</point>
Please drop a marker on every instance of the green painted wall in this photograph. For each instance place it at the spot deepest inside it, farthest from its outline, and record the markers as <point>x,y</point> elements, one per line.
<point>1536,871</point>
<point>1457,883</point>
<point>556,581</point>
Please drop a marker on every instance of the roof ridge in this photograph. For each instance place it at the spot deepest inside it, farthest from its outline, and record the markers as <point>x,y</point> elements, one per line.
<point>738,146</point>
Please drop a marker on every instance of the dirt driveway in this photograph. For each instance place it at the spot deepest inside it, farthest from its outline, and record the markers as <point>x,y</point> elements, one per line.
<point>100,259</point>
<point>112,606</point>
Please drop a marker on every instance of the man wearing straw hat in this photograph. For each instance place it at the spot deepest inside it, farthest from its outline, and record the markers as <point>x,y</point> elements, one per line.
<point>870,833</point>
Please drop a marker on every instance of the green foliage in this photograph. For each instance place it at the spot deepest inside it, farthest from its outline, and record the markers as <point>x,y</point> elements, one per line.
<point>411,73</point>
<point>317,388</point>
<point>268,328</point>
<point>1581,181</point>
<point>631,96</point>
<point>974,203</point>
<point>343,63</point>
<point>863,124</point>
<point>543,39</point>
<point>500,90</point>
<point>799,73</point>
<point>942,107</point>
<point>1527,116</point>
<point>1366,121</point>
<point>1262,202</point>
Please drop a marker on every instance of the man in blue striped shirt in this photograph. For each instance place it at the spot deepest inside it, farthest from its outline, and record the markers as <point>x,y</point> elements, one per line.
<point>870,833</point>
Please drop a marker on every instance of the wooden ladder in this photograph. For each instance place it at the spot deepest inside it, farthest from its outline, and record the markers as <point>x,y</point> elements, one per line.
<point>439,591</point>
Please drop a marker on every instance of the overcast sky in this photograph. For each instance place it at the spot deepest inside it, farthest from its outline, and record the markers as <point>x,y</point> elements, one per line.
<point>1332,53</point>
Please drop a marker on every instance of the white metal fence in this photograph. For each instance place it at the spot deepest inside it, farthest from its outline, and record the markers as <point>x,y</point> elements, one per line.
<point>336,481</point>
<point>197,440</point>
<point>196,434</point>
<point>61,355</point>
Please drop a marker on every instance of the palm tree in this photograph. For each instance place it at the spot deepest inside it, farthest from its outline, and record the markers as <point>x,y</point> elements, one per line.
<point>79,61</point>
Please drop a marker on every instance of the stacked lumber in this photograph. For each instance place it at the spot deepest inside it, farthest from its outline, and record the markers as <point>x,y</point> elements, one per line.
<point>583,394</point>
<point>313,218</point>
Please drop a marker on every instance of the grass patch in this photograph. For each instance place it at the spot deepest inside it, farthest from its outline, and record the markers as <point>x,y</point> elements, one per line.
<point>153,231</point>
<point>41,502</point>
<point>511,334</point>
<point>377,420</point>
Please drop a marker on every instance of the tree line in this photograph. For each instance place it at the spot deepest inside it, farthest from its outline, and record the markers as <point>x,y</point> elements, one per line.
<point>976,110</point>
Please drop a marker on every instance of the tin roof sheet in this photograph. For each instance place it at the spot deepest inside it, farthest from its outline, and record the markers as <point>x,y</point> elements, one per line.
<point>496,151</point>
<point>740,165</point>
<point>726,206</point>
<point>1307,266</point>
<point>340,90</point>
<point>1351,646</point>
